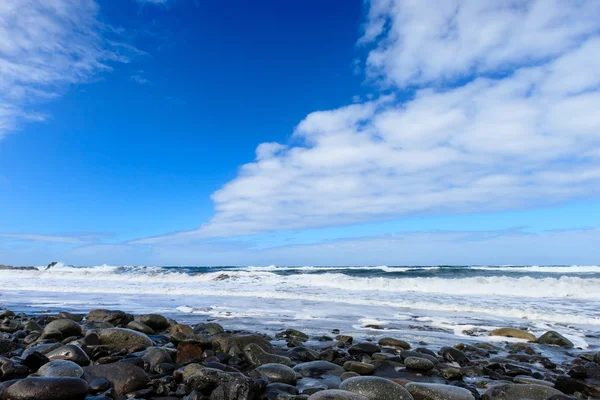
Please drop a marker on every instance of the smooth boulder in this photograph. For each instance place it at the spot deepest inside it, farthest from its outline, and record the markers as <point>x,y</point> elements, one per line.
<point>124,339</point>
<point>63,388</point>
<point>512,391</point>
<point>555,339</point>
<point>514,333</point>
<point>116,318</point>
<point>375,388</point>
<point>70,352</point>
<point>434,391</point>
<point>125,377</point>
<point>60,368</point>
<point>277,373</point>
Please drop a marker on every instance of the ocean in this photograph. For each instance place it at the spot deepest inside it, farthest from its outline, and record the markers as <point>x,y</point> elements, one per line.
<point>428,303</point>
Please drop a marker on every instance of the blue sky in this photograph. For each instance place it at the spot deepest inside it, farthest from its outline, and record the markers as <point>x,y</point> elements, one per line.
<point>301,132</point>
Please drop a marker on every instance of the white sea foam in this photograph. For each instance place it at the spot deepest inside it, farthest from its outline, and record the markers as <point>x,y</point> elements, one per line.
<point>574,269</point>
<point>558,299</point>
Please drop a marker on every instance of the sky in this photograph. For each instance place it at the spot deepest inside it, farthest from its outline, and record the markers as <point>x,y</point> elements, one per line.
<point>396,132</point>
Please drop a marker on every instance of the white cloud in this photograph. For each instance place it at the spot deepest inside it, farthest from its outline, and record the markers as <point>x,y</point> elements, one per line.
<point>523,131</point>
<point>44,238</point>
<point>437,41</point>
<point>45,46</point>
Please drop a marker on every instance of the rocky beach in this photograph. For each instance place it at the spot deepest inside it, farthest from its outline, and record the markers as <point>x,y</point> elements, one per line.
<point>110,354</point>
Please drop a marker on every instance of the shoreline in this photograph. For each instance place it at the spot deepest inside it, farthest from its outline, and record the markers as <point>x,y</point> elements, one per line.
<point>112,354</point>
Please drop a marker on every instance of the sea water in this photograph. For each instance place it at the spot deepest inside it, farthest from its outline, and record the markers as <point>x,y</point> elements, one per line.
<point>430,303</point>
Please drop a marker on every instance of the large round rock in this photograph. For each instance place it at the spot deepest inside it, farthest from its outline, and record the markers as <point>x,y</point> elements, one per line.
<point>125,377</point>
<point>277,373</point>
<point>60,368</point>
<point>70,352</point>
<point>154,321</point>
<point>47,389</point>
<point>124,339</point>
<point>65,327</point>
<point>433,391</point>
<point>113,317</point>
<point>511,392</point>
<point>375,388</point>
<point>334,394</point>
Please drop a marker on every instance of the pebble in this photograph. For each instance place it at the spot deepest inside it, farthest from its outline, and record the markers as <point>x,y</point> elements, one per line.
<point>419,364</point>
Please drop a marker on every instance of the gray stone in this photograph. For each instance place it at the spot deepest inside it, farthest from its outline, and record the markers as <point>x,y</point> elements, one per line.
<point>376,388</point>
<point>156,322</point>
<point>60,368</point>
<point>511,391</point>
<point>434,391</point>
<point>277,373</point>
<point>115,318</point>
<point>315,369</point>
<point>359,367</point>
<point>419,364</point>
<point>364,348</point>
<point>70,352</point>
<point>334,394</point>
<point>395,343</point>
<point>257,356</point>
<point>452,354</point>
<point>531,381</point>
<point>124,339</point>
<point>68,315</point>
<point>140,327</point>
<point>125,377</point>
<point>156,355</point>
<point>224,342</point>
<point>61,388</point>
<point>65,327</point>
<point>210,329</point>
<point>556,339</point>
<point>41,348</point>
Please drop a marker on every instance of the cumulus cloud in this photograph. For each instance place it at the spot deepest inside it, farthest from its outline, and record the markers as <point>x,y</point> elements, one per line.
<point>502,114</point>
<point>45,46</point>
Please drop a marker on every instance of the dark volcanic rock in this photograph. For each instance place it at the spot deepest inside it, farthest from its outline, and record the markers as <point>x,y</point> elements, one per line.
<point>364,348</point>
<point>116,318</point>
<point>60,368</point>
<point>452,354</point>
<point>124,377</point>
<point>47,389</point>
<point>70,352</point>
<point>156,322</point>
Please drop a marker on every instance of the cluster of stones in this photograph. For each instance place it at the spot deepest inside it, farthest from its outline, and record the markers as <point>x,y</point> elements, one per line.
<point>112,355</point>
